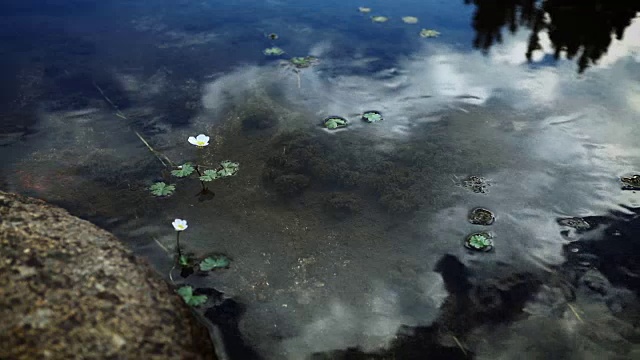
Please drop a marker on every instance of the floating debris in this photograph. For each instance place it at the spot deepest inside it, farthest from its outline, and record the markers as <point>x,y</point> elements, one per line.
<point>364,10</point>
<point>273,51</point>
<point>273,36</point>
<point>481,241</point>
<point>631,182</point>
<point>429,33</point>
<point>335,122</point>
<point>379,19</point>
<point>575,222</point>
<point>410,20</point>
<point>476,184</point>
<point>372,116</point>
<point>481,216</point>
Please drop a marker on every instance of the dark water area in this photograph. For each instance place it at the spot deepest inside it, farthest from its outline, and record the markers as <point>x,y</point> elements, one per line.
<point>350,243</point>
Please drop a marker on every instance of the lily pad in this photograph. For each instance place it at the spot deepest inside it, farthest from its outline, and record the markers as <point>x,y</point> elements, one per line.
<point>273,51</point>
<point>379,19</point>
<point>364,10</point>
<point>162,189</point>
<point>372,116</point>
<point>335,122</point>
<point>214,262</point>
<point>410,20</point>
<point>481,216</point>
<point>229,168</point>
<point>183,170</point>
<point>481,241</point>
<point>429,33</point>
<point>631,182</point>
<point>192,300</point>
<point>577,223</point>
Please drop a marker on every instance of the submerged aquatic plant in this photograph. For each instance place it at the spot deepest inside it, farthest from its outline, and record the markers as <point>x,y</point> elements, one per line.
<point>201,140</point>
<point>273,36</point>
<point>379,19</point>
<point>296,64</point>
<point>372,116</point>
<point>335,122</point>
<point>162,189</point>
<point>429,33</point>
<point>410,20</point>
<point>481,216</point>
<point>192,300</point>
<point>273,51</point>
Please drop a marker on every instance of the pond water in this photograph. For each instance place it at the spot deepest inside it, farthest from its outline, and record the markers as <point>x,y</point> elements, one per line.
<point>349,243</point>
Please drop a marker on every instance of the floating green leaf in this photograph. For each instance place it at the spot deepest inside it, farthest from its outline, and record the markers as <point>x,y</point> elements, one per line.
<point>372,116</point>
<point>479,241</point>
<point>428,33</point>
<point>364,10</point>
<point>209,175</point>
<point>162,189</point>
<point>214,262</point>
<point>410,19</point>
<point>275,51</point>
<point>228,168</point>
<point>184,170</point>
<point>335,122</point>
<point>379,19</point>
<point>303,62</point>
<point>192,300</point>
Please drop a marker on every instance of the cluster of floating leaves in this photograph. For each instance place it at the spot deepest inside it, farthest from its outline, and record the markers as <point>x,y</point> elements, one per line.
<point>425,33</point>
<point>372,116</point>
<point>476,184</point>
<point>631,182</point>
<point>337,122</point>
<point>481,216</point>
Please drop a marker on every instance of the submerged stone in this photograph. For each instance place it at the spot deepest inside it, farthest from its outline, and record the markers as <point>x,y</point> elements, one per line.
<point>481,216</point>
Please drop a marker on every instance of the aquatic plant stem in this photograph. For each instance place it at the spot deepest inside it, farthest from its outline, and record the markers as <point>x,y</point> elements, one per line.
<point>298,76</point>
<point>178,245</point>
<point>459,345</point>
<point>204,188</point>
<point>122,116</point>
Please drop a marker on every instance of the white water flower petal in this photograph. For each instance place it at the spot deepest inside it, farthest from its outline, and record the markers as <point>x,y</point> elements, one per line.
<point>179,224</point>
<point>201,140</point>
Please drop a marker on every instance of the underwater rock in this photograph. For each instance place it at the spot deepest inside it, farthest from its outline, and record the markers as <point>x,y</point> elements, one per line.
<point>72,290</point>
<point>481,216</point>
<point>291,184</point>
<point>343,204</point>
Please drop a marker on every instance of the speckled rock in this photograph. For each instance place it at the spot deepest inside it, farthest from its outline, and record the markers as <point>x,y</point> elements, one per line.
<point>70,290</point>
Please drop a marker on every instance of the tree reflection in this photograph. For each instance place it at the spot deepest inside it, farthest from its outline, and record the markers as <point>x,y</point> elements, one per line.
<point>576,28</point>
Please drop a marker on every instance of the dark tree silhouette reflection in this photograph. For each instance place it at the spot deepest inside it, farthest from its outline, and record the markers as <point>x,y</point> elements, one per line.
<point>579,29</point>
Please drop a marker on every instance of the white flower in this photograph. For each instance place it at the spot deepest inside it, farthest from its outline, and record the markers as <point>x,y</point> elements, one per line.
<point>179,225</point>
<point>201,140</point>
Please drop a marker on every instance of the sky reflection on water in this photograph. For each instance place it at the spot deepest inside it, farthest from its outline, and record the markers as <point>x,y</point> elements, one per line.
<point>551,141</point>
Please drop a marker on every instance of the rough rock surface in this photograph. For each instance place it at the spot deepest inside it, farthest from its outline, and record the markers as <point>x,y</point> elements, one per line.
<point>70,290</point>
